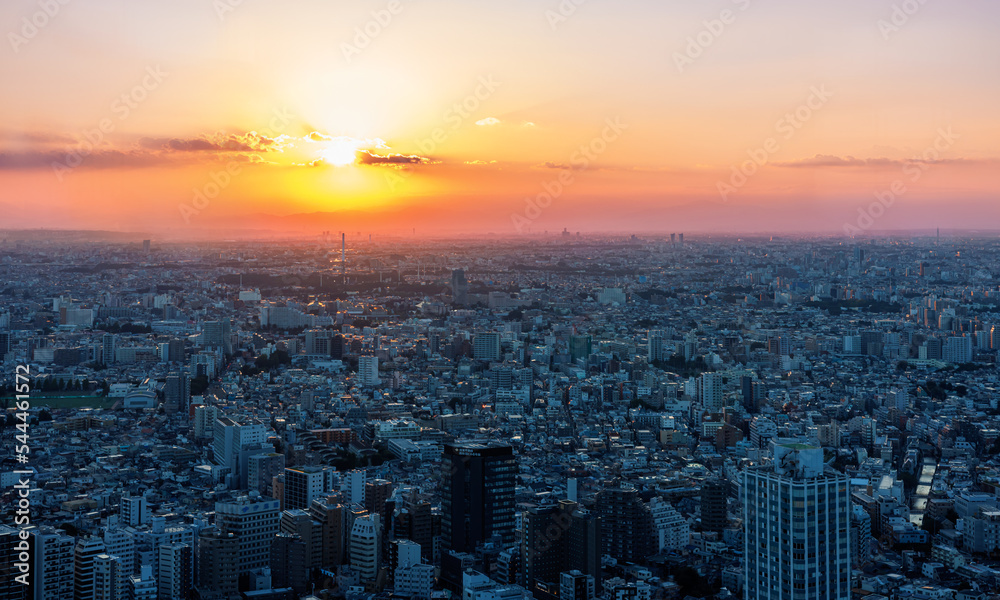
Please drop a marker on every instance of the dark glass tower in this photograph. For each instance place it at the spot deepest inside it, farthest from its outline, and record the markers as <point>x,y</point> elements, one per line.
<point>477,495</point>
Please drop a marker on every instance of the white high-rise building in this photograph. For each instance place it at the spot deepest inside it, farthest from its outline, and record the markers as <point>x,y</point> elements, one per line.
<point>354,486</point>
<point>109,578</point>
<point>204,421</point>
<point>121,544</point>
<point>53,564</point>
<point>368,370</point>
<point>364,547</point>
<point>672,531</point>
<point>134,510</point>
<point>797,515</point>
<point>231,444</point>
<point>175,575</point>
<point>412,579</point>
<point>711,391</point>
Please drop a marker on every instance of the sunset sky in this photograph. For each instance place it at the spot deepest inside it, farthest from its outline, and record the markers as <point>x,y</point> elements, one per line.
<point>624,115</point>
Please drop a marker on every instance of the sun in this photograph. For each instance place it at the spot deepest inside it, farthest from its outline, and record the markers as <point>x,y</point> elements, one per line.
<point>340,152</point>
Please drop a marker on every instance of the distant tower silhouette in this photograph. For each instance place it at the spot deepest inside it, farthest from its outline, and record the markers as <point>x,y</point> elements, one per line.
<point>459,287</point>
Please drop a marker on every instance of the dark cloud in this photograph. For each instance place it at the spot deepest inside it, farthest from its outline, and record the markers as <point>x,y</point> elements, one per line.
<point>366,157</point>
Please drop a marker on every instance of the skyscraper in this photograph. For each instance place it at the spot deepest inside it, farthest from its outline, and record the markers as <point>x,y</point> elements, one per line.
<point>177,393</point>
<point>109,578</point>
<point>797,516</point>
<point>218,334</point>
<point>459,288</point>
<point>477,494</point>
<point>364,547</point>
<point>83,567</point>
<point>109,346</point>
<point>175,571</point>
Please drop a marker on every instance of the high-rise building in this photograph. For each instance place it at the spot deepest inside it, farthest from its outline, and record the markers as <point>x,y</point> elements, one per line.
<point>574,585</point>
<point>415,522</point>
<point>204,421</point>
<point>459,287</point>
<point>218,563</point>
<point>232,444</point>
<point>477,495</point>
<point>141,586</point>
<point>711,392</point>
<point>109,578</point>
<point>218,334</point>
<point>300,523</point>
<point>177,393</point>
<point>134,510</point>
<point>365,550</point>
<point>797,516</point>
<point>557,538</point>
<point>84,554</point>
<point>377,492</point>
<point>486,346</point>
<point>714,505</point>
<point>119,542</point>
<point>109,347</point>
<point>657,347</point>
<point>288,563</point>
<point>410,577</point>
<point>305,484</point>
<point>261,470</point>
<point>10,587</point>
<point>626,524</point>
<point>253,521</point>
<point>330,516</point>
<point>368,371</point>
<point>51,564</point>
<point>861,536</point>
<point>175,571</point>
<point>672,531</point>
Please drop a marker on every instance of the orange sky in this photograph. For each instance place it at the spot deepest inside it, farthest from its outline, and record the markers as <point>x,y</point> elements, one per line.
<point>511,117</point>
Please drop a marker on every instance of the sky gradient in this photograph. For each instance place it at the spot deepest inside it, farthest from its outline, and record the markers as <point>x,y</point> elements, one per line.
<point>195,117</point>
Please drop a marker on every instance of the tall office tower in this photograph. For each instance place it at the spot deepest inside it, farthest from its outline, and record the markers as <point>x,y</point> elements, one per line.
<point>288,563</point>
<point>486,346</point>
<point>175,571</point>
<point>51,564</point>
<point>714,505</point>
<point>364,547</point>
<point>218,563</point>
<point>109,348</point>
<point>368,371</point>
<point>300,523</point>
<point>109,578</point>
<point>305,484</point>
<point>680,237</point>
<point>232,444</point>
<point>797,516</point>
<point>83,567</point>
<point>711,391</point>
<point>459,288</point>
<point>9,554</point>
<point>415,522</point>
<point>177,393</point>
<point>254,522</point>
<point>557,538</point>
<point>477,495</point>
<point>218,334</point>
<point>377,492</point>
<point>204,421</point>
<point>331,519</point>
<point>261,469</point>
<point>134,510</point>
<point>141,586</point>
<point>627,527</point>
<point>656,345</point>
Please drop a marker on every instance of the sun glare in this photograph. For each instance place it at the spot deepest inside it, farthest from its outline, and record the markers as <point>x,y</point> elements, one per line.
<point>340,153</point>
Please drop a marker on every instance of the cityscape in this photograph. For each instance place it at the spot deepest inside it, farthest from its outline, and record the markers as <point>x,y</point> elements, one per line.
<point>520,300</point>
